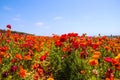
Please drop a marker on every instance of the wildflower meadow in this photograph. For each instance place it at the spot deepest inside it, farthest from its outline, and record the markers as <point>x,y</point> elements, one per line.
<point>58,57</point>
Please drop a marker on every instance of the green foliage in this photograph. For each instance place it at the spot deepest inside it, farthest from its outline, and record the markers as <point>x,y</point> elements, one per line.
<point>68,68</point>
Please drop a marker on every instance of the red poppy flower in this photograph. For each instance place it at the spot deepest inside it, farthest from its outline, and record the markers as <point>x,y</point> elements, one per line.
<point>75,44</point>
<point>43,57</point>
<point>13,60</point>
<point>72,34</point>
<point>114,62</point>
<point>40,71</point>
<point>109,72</point>
<point>95,46</point>
<point>108,59</point>
<point>58,43</point>
<point>83,54</point>
<point>3,49</point>
<point>63,37</point>
<point>8,26</point>
<point>83,45</point>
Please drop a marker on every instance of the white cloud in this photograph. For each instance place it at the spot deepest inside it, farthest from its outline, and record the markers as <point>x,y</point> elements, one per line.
<point>7,8</point>
<point>16,19</point>
<point>57,18</point>
<point>42,25</point>
<point>39,24</point>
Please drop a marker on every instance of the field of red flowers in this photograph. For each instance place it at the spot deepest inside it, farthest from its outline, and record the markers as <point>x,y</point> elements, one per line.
<point>65,57</point>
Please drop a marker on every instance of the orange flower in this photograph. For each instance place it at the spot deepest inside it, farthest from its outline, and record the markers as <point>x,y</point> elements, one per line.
<point>96,53</point>
<point>107,79</point>
<point>118,57</point>
<point>118,66</point>
<point>64,49</point>
<point>6,55</point>
<point>107,48</point>
<point>18,56</point>
<point>36,76</point>
<point>0,60</point>
<point>40,71</point>
<point>35,66</point>
<point>2,53</point>
<point>22,72</point>
<point>92,50</point>
<point>118,48</point>
<point>95,56</point>
<point>111,77</point>
<point>114,62</point>
<point>93,62</point>
<point>50,78</point>
<point>27,57</point>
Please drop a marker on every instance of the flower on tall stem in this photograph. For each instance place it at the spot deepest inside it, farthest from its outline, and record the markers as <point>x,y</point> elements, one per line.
<point>109,74</point>
<point>8,26</point>
<point>22,72</point>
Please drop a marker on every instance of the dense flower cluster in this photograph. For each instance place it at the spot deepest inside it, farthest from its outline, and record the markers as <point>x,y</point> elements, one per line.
<point>65,57</point>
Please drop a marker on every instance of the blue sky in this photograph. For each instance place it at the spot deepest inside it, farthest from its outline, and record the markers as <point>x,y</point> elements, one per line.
<point>45,17</point>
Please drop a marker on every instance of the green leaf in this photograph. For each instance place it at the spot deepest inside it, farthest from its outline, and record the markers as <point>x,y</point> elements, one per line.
<point>93,78</point>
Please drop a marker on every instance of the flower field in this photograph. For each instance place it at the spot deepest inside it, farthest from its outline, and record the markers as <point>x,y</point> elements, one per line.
<point>58,57</point>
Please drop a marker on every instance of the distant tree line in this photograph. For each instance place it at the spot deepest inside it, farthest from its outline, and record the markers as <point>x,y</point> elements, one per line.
<point>3,31</point>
